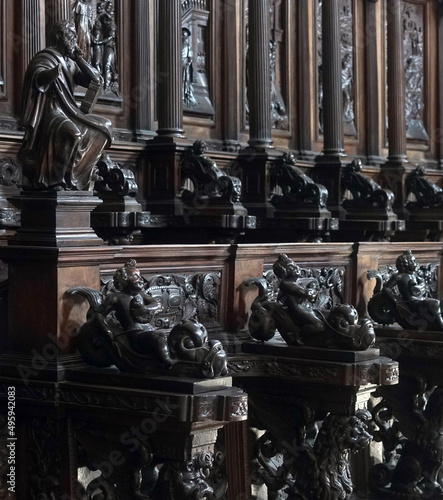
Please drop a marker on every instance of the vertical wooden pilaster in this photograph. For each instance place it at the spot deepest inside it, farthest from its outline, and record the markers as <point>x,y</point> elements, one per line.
<point>143,108</point>
<point>56,10</point>
<point>304,82</point>
<point>372,98</point>
<point>259,91</point>
<point>33,30</point>
<point>440,81</point>
<point>327,170</point>
<point>170,104</point>
<point>396,83</point>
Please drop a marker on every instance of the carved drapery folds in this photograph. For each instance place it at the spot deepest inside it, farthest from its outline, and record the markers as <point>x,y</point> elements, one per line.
<point>97,37</point>
<point>414,60</point>
<point>405,294</point>
<point>195,61</point>
<point>347,66</point>
<point>300,313</point>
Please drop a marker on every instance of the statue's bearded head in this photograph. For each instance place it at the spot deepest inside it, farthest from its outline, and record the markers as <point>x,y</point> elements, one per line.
<point>65,38</point>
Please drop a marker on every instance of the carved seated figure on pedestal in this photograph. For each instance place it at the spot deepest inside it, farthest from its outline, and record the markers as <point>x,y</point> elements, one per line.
<point>366,194</point>
<point>298,316</point>
<point>62,142</point>
<point>404,298</point>
<point>119,332</point>
<point>422,192</point>
<point>211,185</point>
<point>298,189</point>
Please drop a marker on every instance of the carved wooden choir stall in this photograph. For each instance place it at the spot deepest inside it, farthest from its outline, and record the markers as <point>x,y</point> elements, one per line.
<point>220,249</point>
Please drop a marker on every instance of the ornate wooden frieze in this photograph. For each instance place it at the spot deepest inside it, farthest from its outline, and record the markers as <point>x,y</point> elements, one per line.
<point>182,296</point>
<point>195,60</point>
<point>347,66</point>
<point>414,60</point>
<point>95,22</point>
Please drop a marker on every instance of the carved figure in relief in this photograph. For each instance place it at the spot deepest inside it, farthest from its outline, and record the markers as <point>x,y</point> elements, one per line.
<point>411,428</point>
<point>83,25</point>
<point>120,331</point>
<point>298,317</point>
<point>109,32</point>
<point>403,298</point>
<point>61,143</point>
<point>97,40</point>
<point>325,473</point>
<point>298,189</point>
<point>423,192</point>
<point>366,193</point>
<point>187,70</point>
<point>210,183</point>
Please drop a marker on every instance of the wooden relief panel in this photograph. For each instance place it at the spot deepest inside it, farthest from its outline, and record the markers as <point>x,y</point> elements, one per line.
<point>413,44</point>
<point>96,25</point>
<point>195,51</point>
<point>278,60</point>
<point>348,66</point>
<point>277,52</point>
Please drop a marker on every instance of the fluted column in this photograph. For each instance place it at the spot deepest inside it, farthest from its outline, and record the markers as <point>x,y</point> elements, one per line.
<point>34,32</point>
<point>259,90</point>
<point>55,11</point>
<point>143,109</point>
<point>396,83</point>
<point>170,104</point>
<point>332,86</point>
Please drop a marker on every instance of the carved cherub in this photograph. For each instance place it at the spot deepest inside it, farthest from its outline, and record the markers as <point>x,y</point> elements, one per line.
<point>298,316</point>
<point>119,331</point>
<point>403,298</point>
<point>134,310</point>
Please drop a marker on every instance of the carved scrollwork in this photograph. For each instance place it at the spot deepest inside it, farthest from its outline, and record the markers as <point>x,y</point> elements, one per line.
<point>113,178</point>
<point>9,172</point>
